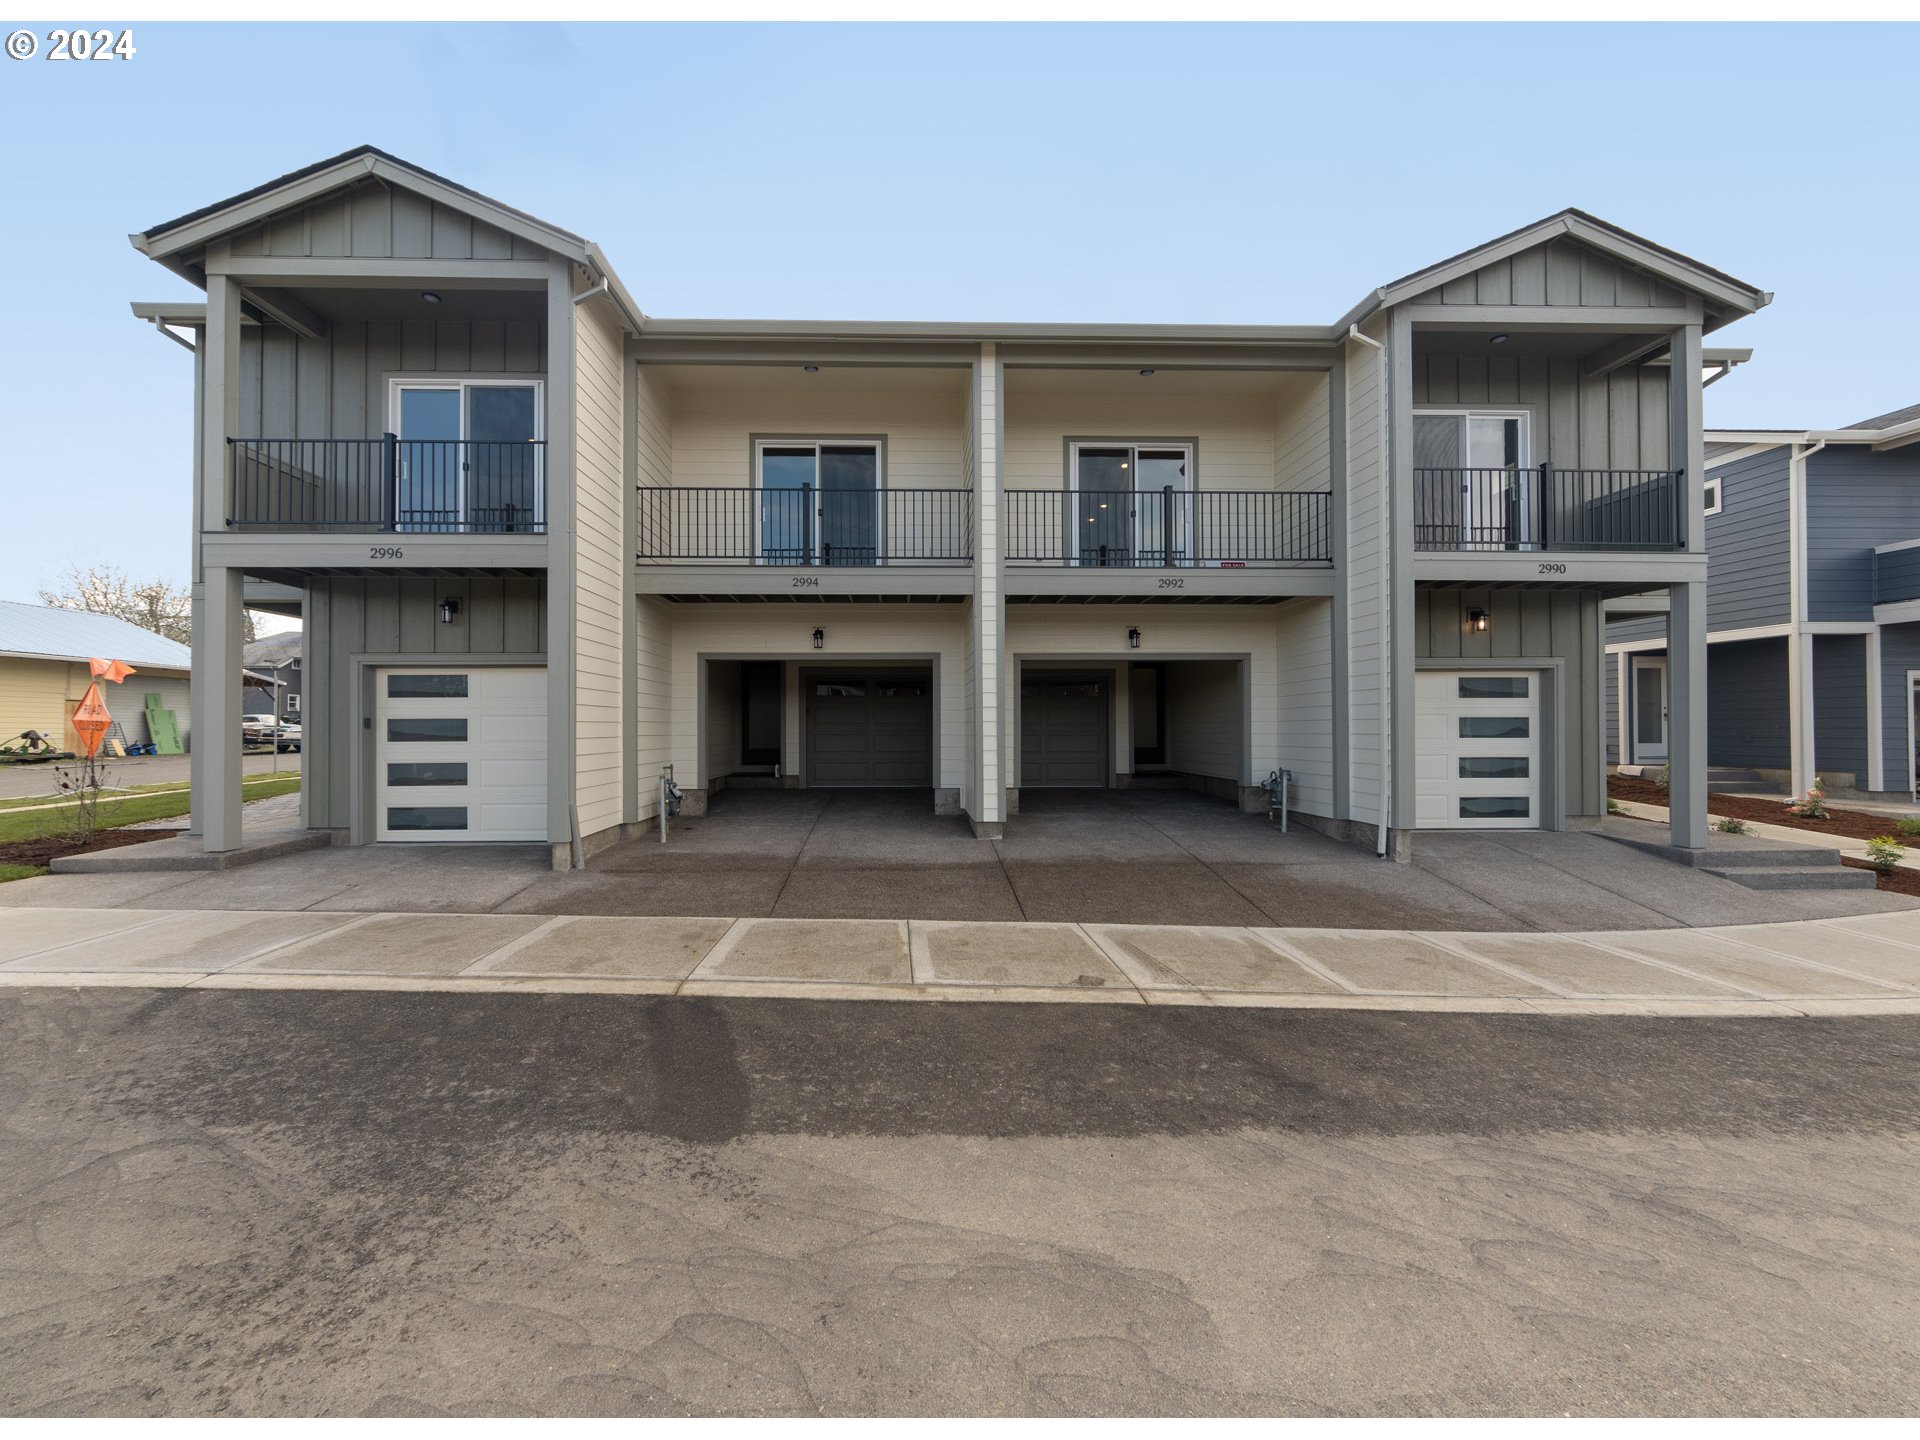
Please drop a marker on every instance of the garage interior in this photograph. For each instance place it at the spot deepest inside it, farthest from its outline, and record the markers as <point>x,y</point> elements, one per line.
<point>861,724</point>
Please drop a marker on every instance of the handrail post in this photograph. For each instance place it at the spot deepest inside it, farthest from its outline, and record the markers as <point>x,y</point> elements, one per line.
<point>1166,525</point>
<point>806,522</point>
<point>1546,504</point>
<point>390,464</point>
<point>1680,511</point>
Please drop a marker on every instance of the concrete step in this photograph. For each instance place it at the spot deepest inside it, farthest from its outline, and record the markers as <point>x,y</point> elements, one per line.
<point>1772,856</point>
<point>1768,877</point>
<point>183,852</point>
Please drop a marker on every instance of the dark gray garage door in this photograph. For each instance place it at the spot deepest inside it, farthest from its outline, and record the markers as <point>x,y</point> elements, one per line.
<point>870,728</point>
<point>1063,730</point>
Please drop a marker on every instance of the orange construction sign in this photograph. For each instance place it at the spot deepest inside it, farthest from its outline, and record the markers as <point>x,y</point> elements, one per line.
<point>91,720</point>
<point>113,670</point>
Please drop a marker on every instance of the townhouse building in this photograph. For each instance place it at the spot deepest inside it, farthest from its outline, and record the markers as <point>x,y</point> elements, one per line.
<point>1813,614</point>
<point>546,544</point>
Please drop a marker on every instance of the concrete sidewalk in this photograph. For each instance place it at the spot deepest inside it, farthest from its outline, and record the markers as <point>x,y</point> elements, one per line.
<point>1859,965</point>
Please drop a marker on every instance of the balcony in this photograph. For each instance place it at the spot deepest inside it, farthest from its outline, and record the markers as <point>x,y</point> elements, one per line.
<point>388,486</point>
<point>1547,508</point>
<point>803,527</point>
<point>1169,528</point>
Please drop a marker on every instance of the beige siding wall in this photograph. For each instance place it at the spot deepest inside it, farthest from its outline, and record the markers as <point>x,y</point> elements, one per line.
<point>1235,432</point>
<point>1366,559</point>
<point>1556,624</point>
<point>785,632</point>
<point>1039,636</point>
<point>372,220</point>
<point>723,718</point>
<point>653,439</point>
<point>712,430</point>
<point>600,567</point>
<point>653,683</point>
<point>1301,441</point>
<point>33,696</point>
<point>1305,702</point>
<point>1204,719</point>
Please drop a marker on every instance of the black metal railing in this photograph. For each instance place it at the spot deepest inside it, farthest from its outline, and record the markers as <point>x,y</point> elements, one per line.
<point>1547,508</point>
<point>453,487</point>
<point>1158,529</point>
<point>744,525</point>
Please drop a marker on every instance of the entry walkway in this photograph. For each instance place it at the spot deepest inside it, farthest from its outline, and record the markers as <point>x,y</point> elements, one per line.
<point>1860,965</point>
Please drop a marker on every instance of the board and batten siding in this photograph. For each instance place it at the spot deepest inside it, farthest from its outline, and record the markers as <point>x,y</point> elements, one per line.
<point>1857,498</point>
<point>713,430</point>
<point>1305,702</point>
<point>376,221</point>
<point>1560,271</point>
<point>348,616</point>
<point>1042,637</point>
<point>335,388</point>
<point>653,712</point>
<point>600,569</point>
<point>1559,625</point>
<point>1367,560</point>
<point>1749,550</point>
<point>1609,422</point>
<point>1747,705</point>
<point>929,634</point>
<point>1302,443</point>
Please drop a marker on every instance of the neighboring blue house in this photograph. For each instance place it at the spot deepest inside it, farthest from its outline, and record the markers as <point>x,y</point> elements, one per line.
<point>1813,613</point>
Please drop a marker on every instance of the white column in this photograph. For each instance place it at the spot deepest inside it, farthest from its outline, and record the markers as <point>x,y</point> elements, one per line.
<point>1800,709</point>
<point>217,743</point>
<point>1687,714</point>
<point>1876,717</point>
<point>989,611</point>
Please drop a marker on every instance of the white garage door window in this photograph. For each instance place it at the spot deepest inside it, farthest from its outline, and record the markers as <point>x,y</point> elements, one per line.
<point>1477,750</point>
<point>461,753</point>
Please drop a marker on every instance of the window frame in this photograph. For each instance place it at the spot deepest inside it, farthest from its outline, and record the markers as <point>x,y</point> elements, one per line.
<point>1718,503</point>
<point>1133,445</point>
<point>462,383</point>
<point>756,480</point>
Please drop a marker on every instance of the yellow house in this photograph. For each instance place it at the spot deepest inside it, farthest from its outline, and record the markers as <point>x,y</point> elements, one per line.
<point>43,671</point>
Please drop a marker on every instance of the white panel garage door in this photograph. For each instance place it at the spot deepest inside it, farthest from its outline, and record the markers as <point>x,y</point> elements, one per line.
<point>461,753</point>
<point>1477,750</point>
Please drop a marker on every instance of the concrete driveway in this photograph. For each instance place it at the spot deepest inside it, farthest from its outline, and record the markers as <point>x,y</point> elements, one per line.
<point>250,1203</point>
<point>1143,857</point>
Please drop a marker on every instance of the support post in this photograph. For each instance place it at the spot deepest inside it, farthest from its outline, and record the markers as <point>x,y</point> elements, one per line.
<point>989,814</point>
<point>1687,714</point>
<point>218,743</point>
<point>1800,735</point>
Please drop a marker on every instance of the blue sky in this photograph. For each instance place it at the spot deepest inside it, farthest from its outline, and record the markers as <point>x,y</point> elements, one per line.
<point>1203,173</point>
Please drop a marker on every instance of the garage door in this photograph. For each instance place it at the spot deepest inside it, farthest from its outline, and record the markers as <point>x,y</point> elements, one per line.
<point>1063,731</point>
<point>1477,749</point>
<point>871,728</point>
<point>461,754</point>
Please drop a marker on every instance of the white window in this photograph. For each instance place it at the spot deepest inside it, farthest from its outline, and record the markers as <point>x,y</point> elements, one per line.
<point>293,704</point>
<point>1129,502</point>
<point>819,501</point>
<point>469,457</point>
<point>1712,496</point>
<point>1471,483</point>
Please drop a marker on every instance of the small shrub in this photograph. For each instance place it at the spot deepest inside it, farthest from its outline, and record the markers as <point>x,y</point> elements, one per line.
<point>1661,776</point>
<point>1909,826</point>
<point>1812,805</point>
<point>1884,852</point>
<point>1614,807</point>
<point>1730,826</point>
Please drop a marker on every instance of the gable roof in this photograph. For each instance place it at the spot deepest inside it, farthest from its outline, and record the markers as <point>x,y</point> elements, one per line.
<point>1888,420</point>
<point>49,633</point>
<point>1727,296</point>
<point>274,651</point>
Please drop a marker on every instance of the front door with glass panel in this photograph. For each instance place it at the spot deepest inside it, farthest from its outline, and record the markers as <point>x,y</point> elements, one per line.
<point>1649,710</point>
<point>819,502</point>
<point>1130,504</point>
<point>469,457</point>
<point>1472,489</point>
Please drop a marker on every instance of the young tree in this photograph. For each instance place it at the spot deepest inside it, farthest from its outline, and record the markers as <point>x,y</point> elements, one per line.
<point>156,605</point>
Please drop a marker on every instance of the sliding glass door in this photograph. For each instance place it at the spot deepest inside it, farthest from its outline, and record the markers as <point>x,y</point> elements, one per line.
<point>819,502</point>
<point>1130,504</point>
<point>469,456</point>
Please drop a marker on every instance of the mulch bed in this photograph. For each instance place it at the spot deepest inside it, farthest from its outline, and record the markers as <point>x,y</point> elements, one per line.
<point>53,847</point>
<point>1854,824</point>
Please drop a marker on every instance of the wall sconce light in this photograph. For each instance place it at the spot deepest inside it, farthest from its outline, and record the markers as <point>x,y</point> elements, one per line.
<point>449,608</point>
<point>1133,638</point>
<point>1478,622</point>
<point>819,639</point>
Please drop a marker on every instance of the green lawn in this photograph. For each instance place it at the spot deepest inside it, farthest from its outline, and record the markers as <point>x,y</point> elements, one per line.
<point>27,802</point>
<point>19,872</point>
<point>35,824</point>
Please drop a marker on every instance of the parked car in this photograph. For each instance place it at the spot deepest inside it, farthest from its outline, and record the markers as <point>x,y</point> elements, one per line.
<point>262,730</point>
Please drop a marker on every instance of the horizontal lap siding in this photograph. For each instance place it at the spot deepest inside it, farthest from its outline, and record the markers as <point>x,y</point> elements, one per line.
<point>1366,559</point>
<point>1748,544</point>
<point>1840,705</point>
<point>1611,714</point>
<point>1856,499</point>
<point>600,571</point>
<point>1302,442</point>
<point>1235,434</point>
<point>653,687</point>
<point>346,617</point>
<point>1204,719</point>
<point>1899,653</point>
<point>712,430</point>
<point>1039,635</point>
<point>1747,705</point>
<point>1305,703</point>
<point>33,696</point>
<point>853,633</point>
<point>1533,625</point>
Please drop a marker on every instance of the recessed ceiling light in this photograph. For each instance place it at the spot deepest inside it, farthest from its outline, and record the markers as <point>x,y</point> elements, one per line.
<point>1146,372</point>
<point>1499,339</point>
<point>811,369</point>
<point>432,297</point>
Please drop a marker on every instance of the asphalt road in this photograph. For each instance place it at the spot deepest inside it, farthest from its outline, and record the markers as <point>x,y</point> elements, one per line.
<point>310,1202</point>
